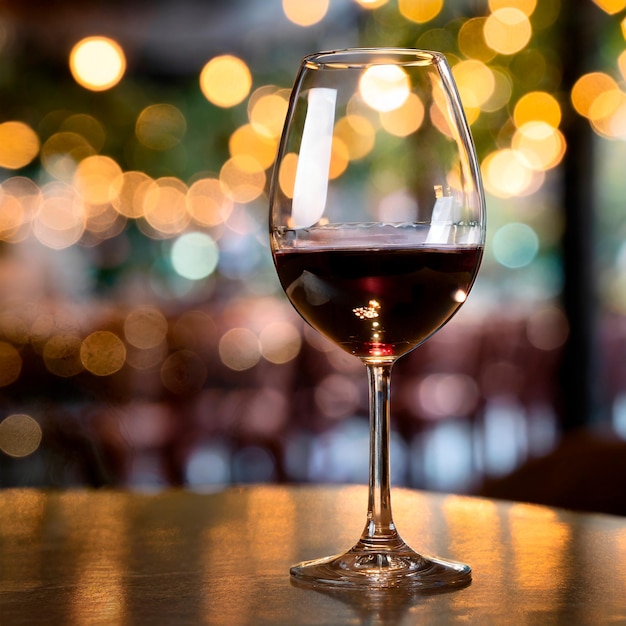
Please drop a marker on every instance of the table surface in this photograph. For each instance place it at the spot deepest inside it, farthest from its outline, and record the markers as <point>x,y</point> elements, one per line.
<point>178,557</point>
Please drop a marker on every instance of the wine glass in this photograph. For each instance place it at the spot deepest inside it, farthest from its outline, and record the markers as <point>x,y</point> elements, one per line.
<point>377,226</point>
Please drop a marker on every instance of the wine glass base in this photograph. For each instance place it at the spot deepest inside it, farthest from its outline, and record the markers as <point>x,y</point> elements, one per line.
<point>380,569</point>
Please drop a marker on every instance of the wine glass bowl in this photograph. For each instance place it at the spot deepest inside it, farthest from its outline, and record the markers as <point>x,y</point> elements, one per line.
<point>377,226</point>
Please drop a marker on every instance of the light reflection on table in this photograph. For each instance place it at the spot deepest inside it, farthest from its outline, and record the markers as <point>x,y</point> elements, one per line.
<point>109,557</point>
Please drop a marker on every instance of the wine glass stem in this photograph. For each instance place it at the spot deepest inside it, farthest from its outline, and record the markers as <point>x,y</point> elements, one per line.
<point>380,530</point>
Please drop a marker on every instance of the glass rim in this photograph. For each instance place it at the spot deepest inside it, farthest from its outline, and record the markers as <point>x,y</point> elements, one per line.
<point>360,58</point>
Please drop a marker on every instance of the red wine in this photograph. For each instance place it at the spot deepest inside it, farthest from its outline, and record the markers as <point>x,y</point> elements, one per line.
<point>378,302</point>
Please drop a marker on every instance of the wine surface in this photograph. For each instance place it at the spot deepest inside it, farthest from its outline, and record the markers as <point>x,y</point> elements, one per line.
<point>378,303</point>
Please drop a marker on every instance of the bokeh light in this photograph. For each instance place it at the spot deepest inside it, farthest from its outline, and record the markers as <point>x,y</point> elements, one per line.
<point>267,110</point>
<point>507,30</point>
<point>541,145</point>
<point>61,355</point>
<point>384,87</point>
<point>506,174</point>
<point>472,42</point>
<point>60,219</point>
<point>588,88</point>
<point>239,349</point>
<point>10,364</point>
<point>305,13</point>
<point>97,63</point>
<point>525,6</point>
<point>280,342</point>
<point>246,141</point>
<point>475,82</point>
<point>371,4</point>
<point>225,81</point>
<point>405,119</point>
<point>20,435</point>
<point>145,327</point>
<point>95,179</point>
<point>207,202</point>
<point>515,245</point>
<point>420,12</point>
<point>611,6</point>
<point>194,255</point>
<point>19,145</point>
<point>242,178</point>
<point>165,205</point>
<point>356,134</point>
<point>537,106</point>
<point>102,353</point>
<point>161,126</point>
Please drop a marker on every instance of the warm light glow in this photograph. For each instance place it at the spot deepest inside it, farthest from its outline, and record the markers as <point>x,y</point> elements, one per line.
<point>62,151</point>
<point>541,145</point>
<point>541,543</point>
<point>267,114</point>
<point>339,158</point>
<point>537,106</point>
<point>165,205</point>
<point>507,31</point>
<point>97,63</point>
<point>86,126</point>
<point>61,355</point>
<point>225,81</point>
<point>207,203</point>
<point>420,11</point>
<point>19,200</point>
<point>506,174</point>
<point>305,13</point>
<point>19,145</point>
<point>287,173</point>
<point>239,349</point>
<point>502,91</point>
<point>20,435</point>
<point>10,364</point>
<point>60,219</point>
<point>246,141</point>
<point>525,6</point>
<point>621,60</point>
<point>588,88</point>
<point>130,190</point>
<point>607,114</point>
<point>611,6</point>
<point>384,87</point>
<point>472,42</point>
<point>404,120</point>
<point>280,342</point>
<point>11,216</point>
<point>95,179</point>
<point>475,82</point>
<point>242,178</point>
<point>357,135</point>
<point>102,353</point>
<point>371,4</point>
<point>160,126</point>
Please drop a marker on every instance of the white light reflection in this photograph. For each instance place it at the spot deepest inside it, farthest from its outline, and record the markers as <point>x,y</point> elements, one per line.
<point>311,184</point>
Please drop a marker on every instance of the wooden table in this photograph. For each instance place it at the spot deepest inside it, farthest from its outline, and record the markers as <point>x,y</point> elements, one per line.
<point>176,557</point>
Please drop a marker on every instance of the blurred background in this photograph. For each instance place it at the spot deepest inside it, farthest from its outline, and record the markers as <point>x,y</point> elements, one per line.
<point>144,338</point>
